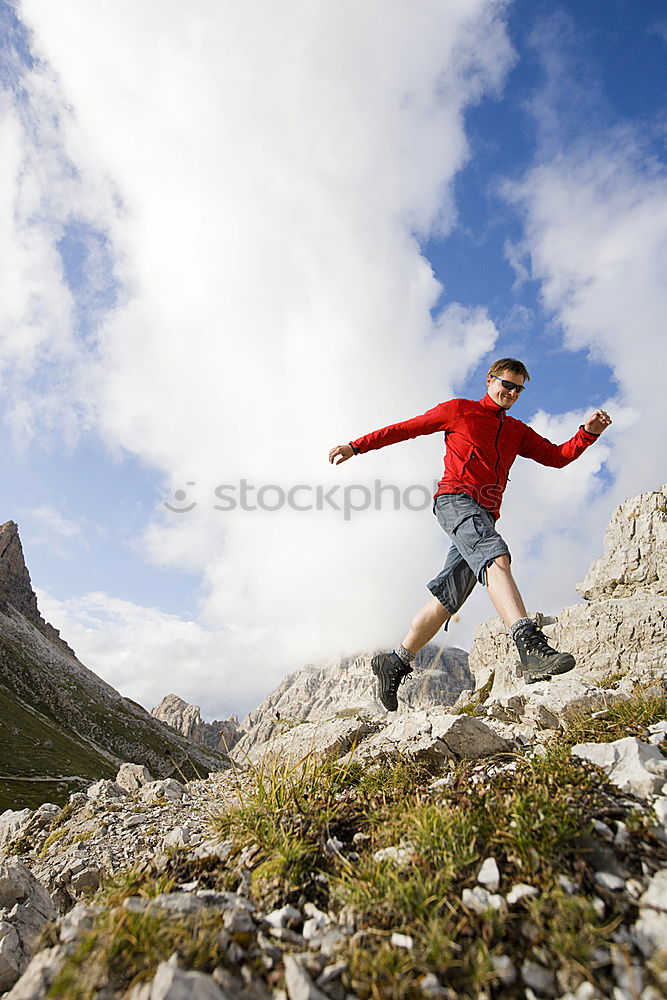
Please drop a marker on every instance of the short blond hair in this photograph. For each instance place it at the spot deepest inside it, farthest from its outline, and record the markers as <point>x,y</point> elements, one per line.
<point>508,365</point>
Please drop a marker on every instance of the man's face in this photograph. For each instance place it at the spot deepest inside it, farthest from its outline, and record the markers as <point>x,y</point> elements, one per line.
<point>497,391</point>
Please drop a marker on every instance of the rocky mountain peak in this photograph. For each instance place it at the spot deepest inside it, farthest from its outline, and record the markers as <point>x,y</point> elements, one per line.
<point>221,734</point>
<point>61,724</point>
<point>619,631</point>
<point>16,587</point>
<point>343,688</point>
<point>634,560</point>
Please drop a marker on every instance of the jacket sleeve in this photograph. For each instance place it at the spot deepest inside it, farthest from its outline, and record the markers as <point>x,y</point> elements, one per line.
<point>541,450</point>
<point>436,419</point>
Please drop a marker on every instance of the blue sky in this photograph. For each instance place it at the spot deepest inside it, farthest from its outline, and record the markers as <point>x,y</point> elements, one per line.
<point>235,237</point>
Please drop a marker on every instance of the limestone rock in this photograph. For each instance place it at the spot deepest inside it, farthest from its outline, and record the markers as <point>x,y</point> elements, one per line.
<point>15,586</point>
<point>620,632</point>
<point>10,955</point>
<point>651,929</point>
<point>132,777</point>
<point>166,788</point>
<point>345,688</point>
<point>25,906</point>
<point>433,737</point>
<point>635,551</point>
<point>612,636</point>
<point>631,765</point>
<point>172,983</point>
<point>333,738</point>
<point>655,897</point>
<point>13,823</point>
<point>106,791</point>
<point>299,984</point>
<point>480,900</point>
<point>186,719</point>
<point>488,875</point>
<point>38,976</point>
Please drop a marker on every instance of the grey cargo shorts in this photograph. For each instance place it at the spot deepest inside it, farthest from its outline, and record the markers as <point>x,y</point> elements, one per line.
<point>475,544</point>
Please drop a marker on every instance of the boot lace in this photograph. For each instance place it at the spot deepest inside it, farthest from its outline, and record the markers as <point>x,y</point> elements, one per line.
<point>536,642</point>
<point>397,675</point>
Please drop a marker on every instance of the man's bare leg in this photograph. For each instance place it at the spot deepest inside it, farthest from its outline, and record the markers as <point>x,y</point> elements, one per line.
<point>538,659</point>
<point>426,623</point>
<point>504,592</point>
<point>392,668</point>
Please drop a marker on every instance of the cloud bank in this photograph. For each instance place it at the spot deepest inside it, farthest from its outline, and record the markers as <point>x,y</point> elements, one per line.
<point>213,216</point>
<point>256,180</point>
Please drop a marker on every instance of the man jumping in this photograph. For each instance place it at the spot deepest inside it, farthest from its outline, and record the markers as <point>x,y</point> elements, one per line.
<point>482,444</point>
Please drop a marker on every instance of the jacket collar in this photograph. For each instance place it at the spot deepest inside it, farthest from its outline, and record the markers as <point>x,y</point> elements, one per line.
<point>489,404</point>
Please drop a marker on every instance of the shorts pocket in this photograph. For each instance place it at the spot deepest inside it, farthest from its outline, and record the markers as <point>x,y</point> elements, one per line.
<point>470,530</point>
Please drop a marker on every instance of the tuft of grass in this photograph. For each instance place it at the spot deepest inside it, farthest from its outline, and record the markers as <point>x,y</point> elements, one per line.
<point>126,947</point>
<point>478,697</point>
<point>288,817</point>
<point>52,838</point>
<point>630,717</point>
<point>612,679</point>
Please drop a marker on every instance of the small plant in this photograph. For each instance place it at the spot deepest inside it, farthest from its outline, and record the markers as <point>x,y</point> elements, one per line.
<point>478,697</point>
<point>52,838</point>
<point>290,814</point>
<point>612,679</point>
<point>630,717</point>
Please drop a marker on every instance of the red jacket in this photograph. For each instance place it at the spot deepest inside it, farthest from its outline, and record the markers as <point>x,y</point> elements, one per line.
<point>482,441</point>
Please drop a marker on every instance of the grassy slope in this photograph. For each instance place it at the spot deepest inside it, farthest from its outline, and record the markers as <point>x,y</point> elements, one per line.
<point>25,735</point>
<point>91,730</point>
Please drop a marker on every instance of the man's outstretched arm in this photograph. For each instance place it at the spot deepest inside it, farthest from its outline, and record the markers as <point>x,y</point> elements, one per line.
<point>427,423</point>
<point>541,450</point>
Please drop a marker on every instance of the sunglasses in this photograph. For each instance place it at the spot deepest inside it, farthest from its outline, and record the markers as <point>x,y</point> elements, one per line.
<point>510,385</point>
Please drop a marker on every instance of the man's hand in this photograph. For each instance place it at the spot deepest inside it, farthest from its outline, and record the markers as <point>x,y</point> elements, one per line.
<point>597,422</point>
<point>342,452</point>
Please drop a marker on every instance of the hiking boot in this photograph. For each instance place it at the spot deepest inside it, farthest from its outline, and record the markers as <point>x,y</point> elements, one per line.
<point>538,660</point>
<point>390,672</point>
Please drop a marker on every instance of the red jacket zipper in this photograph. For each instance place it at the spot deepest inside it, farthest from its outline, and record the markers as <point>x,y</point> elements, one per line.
<point>500,427</point>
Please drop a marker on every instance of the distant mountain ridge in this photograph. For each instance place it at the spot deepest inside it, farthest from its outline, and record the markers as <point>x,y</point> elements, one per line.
<point>221,734</point>
<point>61,725</point>
<point>346,687</point>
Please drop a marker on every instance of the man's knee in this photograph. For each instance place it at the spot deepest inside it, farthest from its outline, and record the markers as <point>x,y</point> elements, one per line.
<point>502,562</point>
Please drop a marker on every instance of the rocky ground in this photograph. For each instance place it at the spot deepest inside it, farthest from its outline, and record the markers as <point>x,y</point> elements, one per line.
<point>234,920</point>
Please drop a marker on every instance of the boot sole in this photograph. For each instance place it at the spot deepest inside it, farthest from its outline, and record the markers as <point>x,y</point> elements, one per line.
<point>533,676</point>
<point>567,663</point>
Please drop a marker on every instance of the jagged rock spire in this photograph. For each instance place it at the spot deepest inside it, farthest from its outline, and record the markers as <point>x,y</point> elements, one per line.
<point>16,587</point>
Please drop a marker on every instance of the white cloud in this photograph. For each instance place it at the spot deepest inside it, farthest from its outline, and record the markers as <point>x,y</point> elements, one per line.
<point>263,173</point>
<point>277,165</point>
<point>51,528</point>
<point>595,238</point>
<point>147,654</point>
<point>596,234</point>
